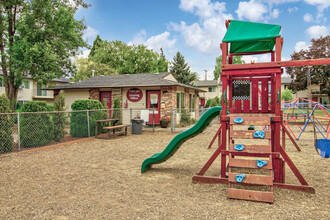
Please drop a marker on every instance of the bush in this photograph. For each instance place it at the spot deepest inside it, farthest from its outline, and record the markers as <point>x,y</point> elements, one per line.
<point>78,124</point>
<point>50,107</point>
<point>185,118</point>
<point>117,111</point>
<point>59,119</point>
<point>6,131</point>
<point>35,129</point>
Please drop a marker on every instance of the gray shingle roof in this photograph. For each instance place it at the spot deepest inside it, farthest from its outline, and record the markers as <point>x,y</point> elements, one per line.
<point>286,80</point>
<point>205,83</point>
<point>125,80</point>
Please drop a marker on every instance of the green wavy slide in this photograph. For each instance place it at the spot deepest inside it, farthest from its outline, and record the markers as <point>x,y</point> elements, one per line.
<point>179,139</point>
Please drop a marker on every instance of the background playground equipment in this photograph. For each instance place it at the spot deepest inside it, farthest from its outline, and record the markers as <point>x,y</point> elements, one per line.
<point>240,83</point>
<point>304,111</point>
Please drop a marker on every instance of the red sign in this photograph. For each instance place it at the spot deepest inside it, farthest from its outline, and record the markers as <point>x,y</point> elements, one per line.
<point>134,94</point>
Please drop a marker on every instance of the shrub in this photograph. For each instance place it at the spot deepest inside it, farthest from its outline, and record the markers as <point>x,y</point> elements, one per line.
<point>117,111</point>
<point>18,106</point>
<point>6,132</point>
<point>50,107</point>
<point>78,124</point>
<point>35,129</point>
<point>185,118</point>
<point>59,118</point>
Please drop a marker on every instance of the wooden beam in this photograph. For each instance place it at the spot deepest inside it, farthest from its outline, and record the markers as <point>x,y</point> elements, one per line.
<point>307,189</point>
<point>258,196</point>
<point>291,138</point>
<point>215,137</point>
<point>293,167</point>
<point>311,62</point>
<point>208,179</point>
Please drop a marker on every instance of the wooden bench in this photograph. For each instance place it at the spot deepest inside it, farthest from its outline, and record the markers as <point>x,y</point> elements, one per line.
<point>113,128</point>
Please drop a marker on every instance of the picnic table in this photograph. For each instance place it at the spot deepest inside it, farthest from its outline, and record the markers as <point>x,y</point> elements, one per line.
<point>98,122</point>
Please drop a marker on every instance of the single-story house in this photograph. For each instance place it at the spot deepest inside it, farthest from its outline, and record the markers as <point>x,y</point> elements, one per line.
<point>158,91</point>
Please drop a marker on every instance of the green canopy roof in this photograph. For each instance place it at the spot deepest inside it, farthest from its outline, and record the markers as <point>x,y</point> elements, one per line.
<point>245,37</point>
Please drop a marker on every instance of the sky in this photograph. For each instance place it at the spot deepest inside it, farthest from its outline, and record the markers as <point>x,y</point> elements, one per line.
<point>195,28</point>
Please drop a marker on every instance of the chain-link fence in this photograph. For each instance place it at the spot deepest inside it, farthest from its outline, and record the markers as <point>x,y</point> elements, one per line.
<point>25,130</point>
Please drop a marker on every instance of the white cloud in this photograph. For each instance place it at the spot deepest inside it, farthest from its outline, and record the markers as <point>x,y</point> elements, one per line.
<point>84,54</point>
<point>317,31</point>
<point>202,35</point>
<point>203,8</point>
<point>155,42</point>
<point>252,10</point>
<point>257,58</point>
<point>292,10</point>
<point>321,5</point>
<point>308,17</point>
<point>275,13</point>
<point>301,45</point>
<point>90,33</point>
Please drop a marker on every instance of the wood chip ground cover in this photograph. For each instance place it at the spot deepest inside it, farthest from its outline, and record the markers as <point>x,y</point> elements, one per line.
<point>101,179</point>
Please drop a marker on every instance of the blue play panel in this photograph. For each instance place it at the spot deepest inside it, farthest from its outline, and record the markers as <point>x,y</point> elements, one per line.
<point>324,146</point>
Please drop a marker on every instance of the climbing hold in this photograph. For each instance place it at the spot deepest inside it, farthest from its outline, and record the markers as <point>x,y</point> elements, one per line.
<point>239,147</point>
<point>238,120</point>
<point>259,134</point>
<point>261,163</point>
<point>251,127</point>
<point>239,178</point>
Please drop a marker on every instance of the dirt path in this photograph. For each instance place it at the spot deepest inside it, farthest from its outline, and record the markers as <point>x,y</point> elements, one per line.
<point>101,179</point>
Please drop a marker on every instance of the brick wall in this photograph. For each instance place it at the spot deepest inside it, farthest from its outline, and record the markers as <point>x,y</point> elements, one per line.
<point>168,100</point>
<point>94,94</point>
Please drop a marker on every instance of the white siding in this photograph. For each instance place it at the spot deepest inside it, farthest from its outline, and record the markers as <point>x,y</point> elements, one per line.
<point>72,95</point>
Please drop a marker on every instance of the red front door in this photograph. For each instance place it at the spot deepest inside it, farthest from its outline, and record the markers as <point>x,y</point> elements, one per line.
<point>153,104</point>
<point>107,96</point>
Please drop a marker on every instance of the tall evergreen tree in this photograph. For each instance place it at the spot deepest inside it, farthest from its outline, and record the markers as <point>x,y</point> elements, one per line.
<point>162,62</point>
<point>97,42</point>
<point>181,70</point>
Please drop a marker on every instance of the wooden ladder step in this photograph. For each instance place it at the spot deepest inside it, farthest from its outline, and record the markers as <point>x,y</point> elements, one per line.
<point>233,162</point>
<point>252,179</point>
<point>251,195</point>
<point>252,120</point>
<point>239,134</point>
<point>252,148</point>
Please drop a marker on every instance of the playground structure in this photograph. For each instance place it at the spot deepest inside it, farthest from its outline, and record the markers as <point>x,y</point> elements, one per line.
<point>240,83</point>
<point>296,112</point>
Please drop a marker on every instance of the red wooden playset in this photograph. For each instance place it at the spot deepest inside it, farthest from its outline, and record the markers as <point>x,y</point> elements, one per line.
<point>252,94</point>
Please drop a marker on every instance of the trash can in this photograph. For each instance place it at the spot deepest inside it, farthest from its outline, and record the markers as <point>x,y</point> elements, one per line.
<point>137,126</point>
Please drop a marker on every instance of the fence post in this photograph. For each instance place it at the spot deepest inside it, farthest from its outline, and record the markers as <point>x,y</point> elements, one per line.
<point>18,133</point>
<point>153,119</point>
<point>173,120</point>
<point>89,133</point>
<point>130,116</point>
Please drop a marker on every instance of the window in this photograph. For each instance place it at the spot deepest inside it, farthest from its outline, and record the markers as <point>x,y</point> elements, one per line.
<point>180,101</point>
<point>212,89</point>
<point>41,92</point>
<point>192,102</point>
<point>26,84</point>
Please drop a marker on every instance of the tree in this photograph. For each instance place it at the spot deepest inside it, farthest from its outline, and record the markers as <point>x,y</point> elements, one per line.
<point>217,69</point>
<point>87,67</point>
<point>287,95</point>
<point>162,62</point>
<point>6,125</point>
<point>320,75</point>
<point>126,59</point>
<point>37,38</point>
<point>59,118</point>
<point>96,44</point>
<point>181,70</point>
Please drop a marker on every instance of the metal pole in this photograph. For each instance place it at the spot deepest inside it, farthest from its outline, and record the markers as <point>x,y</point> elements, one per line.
<point>89,133</point>
<point>130,115</point>
<point>18,133</point>
<point>153,119</point>
<point>173,120</point>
